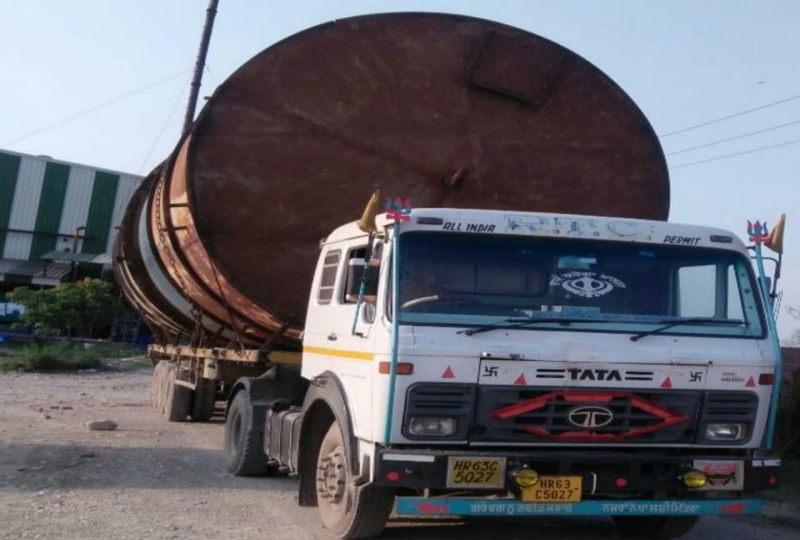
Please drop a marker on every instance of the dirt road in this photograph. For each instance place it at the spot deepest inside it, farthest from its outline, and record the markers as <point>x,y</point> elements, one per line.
<point>149,479</point>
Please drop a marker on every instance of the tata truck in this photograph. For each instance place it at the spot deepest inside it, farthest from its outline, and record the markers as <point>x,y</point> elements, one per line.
<point>423,264</point>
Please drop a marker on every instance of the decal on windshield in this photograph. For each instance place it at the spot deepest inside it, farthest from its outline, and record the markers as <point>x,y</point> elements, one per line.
<point>587,284</point>
<point>580,227</point>
<point>682,240</point>
<point>467,227</point>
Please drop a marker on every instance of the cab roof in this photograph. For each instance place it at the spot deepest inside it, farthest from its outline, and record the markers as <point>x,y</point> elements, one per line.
<point>540,224</point>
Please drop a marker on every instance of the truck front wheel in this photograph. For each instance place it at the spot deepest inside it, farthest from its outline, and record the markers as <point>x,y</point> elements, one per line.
<point>244,445</point>
<point>347,511</point>
<point>655,527</point>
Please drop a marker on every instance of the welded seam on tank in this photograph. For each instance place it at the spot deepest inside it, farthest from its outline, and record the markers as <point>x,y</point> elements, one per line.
<point>132,275</point>
<point>163,284</point>
<point>217,265</point>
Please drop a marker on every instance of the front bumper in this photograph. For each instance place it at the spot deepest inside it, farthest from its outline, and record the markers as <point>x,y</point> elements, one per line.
<point>418,506</point>
<point>613,482</point>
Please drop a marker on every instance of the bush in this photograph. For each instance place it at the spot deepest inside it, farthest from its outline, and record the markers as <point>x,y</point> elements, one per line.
<point>51,358</point>
<point>69,309</point>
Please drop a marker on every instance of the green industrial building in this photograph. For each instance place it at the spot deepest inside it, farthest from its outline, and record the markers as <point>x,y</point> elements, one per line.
<point>57,219</point>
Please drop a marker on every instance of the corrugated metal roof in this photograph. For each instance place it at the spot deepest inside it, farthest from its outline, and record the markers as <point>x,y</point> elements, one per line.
<point>36,269</point>
<point>50,159</point>
<point>70,256</point>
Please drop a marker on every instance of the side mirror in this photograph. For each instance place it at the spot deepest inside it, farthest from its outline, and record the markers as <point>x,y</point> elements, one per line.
<point>768,282</point>
<point>358,272</point>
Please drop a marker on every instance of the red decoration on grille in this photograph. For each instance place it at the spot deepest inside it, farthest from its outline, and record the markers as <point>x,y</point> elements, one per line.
<point>667,418</point>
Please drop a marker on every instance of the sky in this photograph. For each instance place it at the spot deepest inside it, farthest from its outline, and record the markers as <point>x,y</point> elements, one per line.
<point>105,84</point>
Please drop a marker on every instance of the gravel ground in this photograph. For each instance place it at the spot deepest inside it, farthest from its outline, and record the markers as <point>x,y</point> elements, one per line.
<point>150,479</point>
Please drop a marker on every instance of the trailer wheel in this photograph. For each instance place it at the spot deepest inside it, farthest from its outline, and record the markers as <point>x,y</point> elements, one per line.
<point>155,385</point>
<point>178,399</point>
<point>163,385</point>
<point>205,399</point>
<point>244,446</point>
<point>655,527</point>
<point>347,512</point>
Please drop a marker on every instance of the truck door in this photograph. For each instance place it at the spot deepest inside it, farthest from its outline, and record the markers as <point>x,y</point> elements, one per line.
<point>331,342</point>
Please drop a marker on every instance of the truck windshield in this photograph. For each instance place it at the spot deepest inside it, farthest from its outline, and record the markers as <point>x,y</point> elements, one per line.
<point>465,280</point>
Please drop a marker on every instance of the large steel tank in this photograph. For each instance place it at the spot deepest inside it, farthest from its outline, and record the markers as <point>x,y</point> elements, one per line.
<point>448,110</point>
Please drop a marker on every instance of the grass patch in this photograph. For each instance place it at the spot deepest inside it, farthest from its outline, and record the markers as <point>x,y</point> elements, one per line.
<point>44,358</point>
<point>115,353</point>
<point>134,366</point>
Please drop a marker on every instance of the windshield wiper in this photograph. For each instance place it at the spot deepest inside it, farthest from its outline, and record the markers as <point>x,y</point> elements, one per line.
<point>517,322</point>
<point>670,323</point>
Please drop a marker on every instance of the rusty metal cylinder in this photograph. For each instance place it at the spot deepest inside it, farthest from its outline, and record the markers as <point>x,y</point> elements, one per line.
<point>450,111</point>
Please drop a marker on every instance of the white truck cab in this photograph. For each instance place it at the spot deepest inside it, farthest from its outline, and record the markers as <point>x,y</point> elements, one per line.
<point>542,364</point>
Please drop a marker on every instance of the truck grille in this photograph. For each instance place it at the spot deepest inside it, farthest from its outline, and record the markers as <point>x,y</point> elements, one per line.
<point>510,414</point>
<point>581,416</point>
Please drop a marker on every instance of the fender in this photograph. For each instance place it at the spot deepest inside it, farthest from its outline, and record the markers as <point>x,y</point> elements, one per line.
<point>283,388</point>
<point>326,388</point>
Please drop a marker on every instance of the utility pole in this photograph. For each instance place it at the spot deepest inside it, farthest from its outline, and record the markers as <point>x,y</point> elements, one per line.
<point>199,65</point>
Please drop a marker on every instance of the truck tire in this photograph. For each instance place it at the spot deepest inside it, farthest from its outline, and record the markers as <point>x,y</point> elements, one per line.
<point>163,386</point>
<point>244,446</point>
<point>205,399</point>
<point>655,527</point>
<point>155,385</point>
<point>178,400</point>
<point>345,511</point>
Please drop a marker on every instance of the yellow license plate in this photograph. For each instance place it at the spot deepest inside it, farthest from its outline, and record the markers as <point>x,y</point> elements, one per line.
<point>476,472</point>
<point>555,489</point>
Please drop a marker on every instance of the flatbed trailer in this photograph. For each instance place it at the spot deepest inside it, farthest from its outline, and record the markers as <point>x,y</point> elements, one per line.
<point>189,381</point>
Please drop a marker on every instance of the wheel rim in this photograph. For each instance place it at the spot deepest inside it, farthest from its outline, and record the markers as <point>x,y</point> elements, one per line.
<point>332,479</point>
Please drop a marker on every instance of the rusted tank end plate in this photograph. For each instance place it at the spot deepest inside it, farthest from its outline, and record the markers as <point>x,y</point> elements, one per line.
<point>293,142</point>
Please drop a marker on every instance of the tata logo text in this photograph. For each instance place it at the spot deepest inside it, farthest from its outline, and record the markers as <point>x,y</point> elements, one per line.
<point>594,375</point>
<point>590,417</point>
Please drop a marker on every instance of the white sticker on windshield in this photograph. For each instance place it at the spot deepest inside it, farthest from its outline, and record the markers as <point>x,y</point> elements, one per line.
<point>587,284</point>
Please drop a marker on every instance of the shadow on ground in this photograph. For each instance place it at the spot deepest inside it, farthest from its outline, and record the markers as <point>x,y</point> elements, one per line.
<point>523,528</point>
<point>31,468</point>
<point>34,467</point>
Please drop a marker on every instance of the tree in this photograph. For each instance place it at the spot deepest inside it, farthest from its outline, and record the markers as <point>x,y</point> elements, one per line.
<point>67,309</point>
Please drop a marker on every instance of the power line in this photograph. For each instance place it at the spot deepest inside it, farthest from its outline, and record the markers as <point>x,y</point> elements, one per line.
<point>208,69</point>
<point>730,116</point>
<point>754,150</point>
<point>164,126</point>
<point>93,109</point>
<point>734,138</point>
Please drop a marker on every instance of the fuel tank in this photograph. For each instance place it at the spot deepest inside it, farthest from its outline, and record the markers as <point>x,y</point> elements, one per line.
<point>447,110</point>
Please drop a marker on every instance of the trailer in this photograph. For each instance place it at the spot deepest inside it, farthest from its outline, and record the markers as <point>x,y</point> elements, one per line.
<point>422,262</point>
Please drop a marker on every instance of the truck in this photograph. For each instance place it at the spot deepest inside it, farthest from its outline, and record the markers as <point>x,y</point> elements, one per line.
<point>422,263</point>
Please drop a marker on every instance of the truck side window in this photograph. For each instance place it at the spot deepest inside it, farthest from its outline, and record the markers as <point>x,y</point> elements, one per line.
<point>355,253</point>
<point>735,310</point>
<point>327,283</point>
<point>697,295</point>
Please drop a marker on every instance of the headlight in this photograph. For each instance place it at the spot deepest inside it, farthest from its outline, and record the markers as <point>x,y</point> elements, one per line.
<point>726,432</point>
<point>432,426</point>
